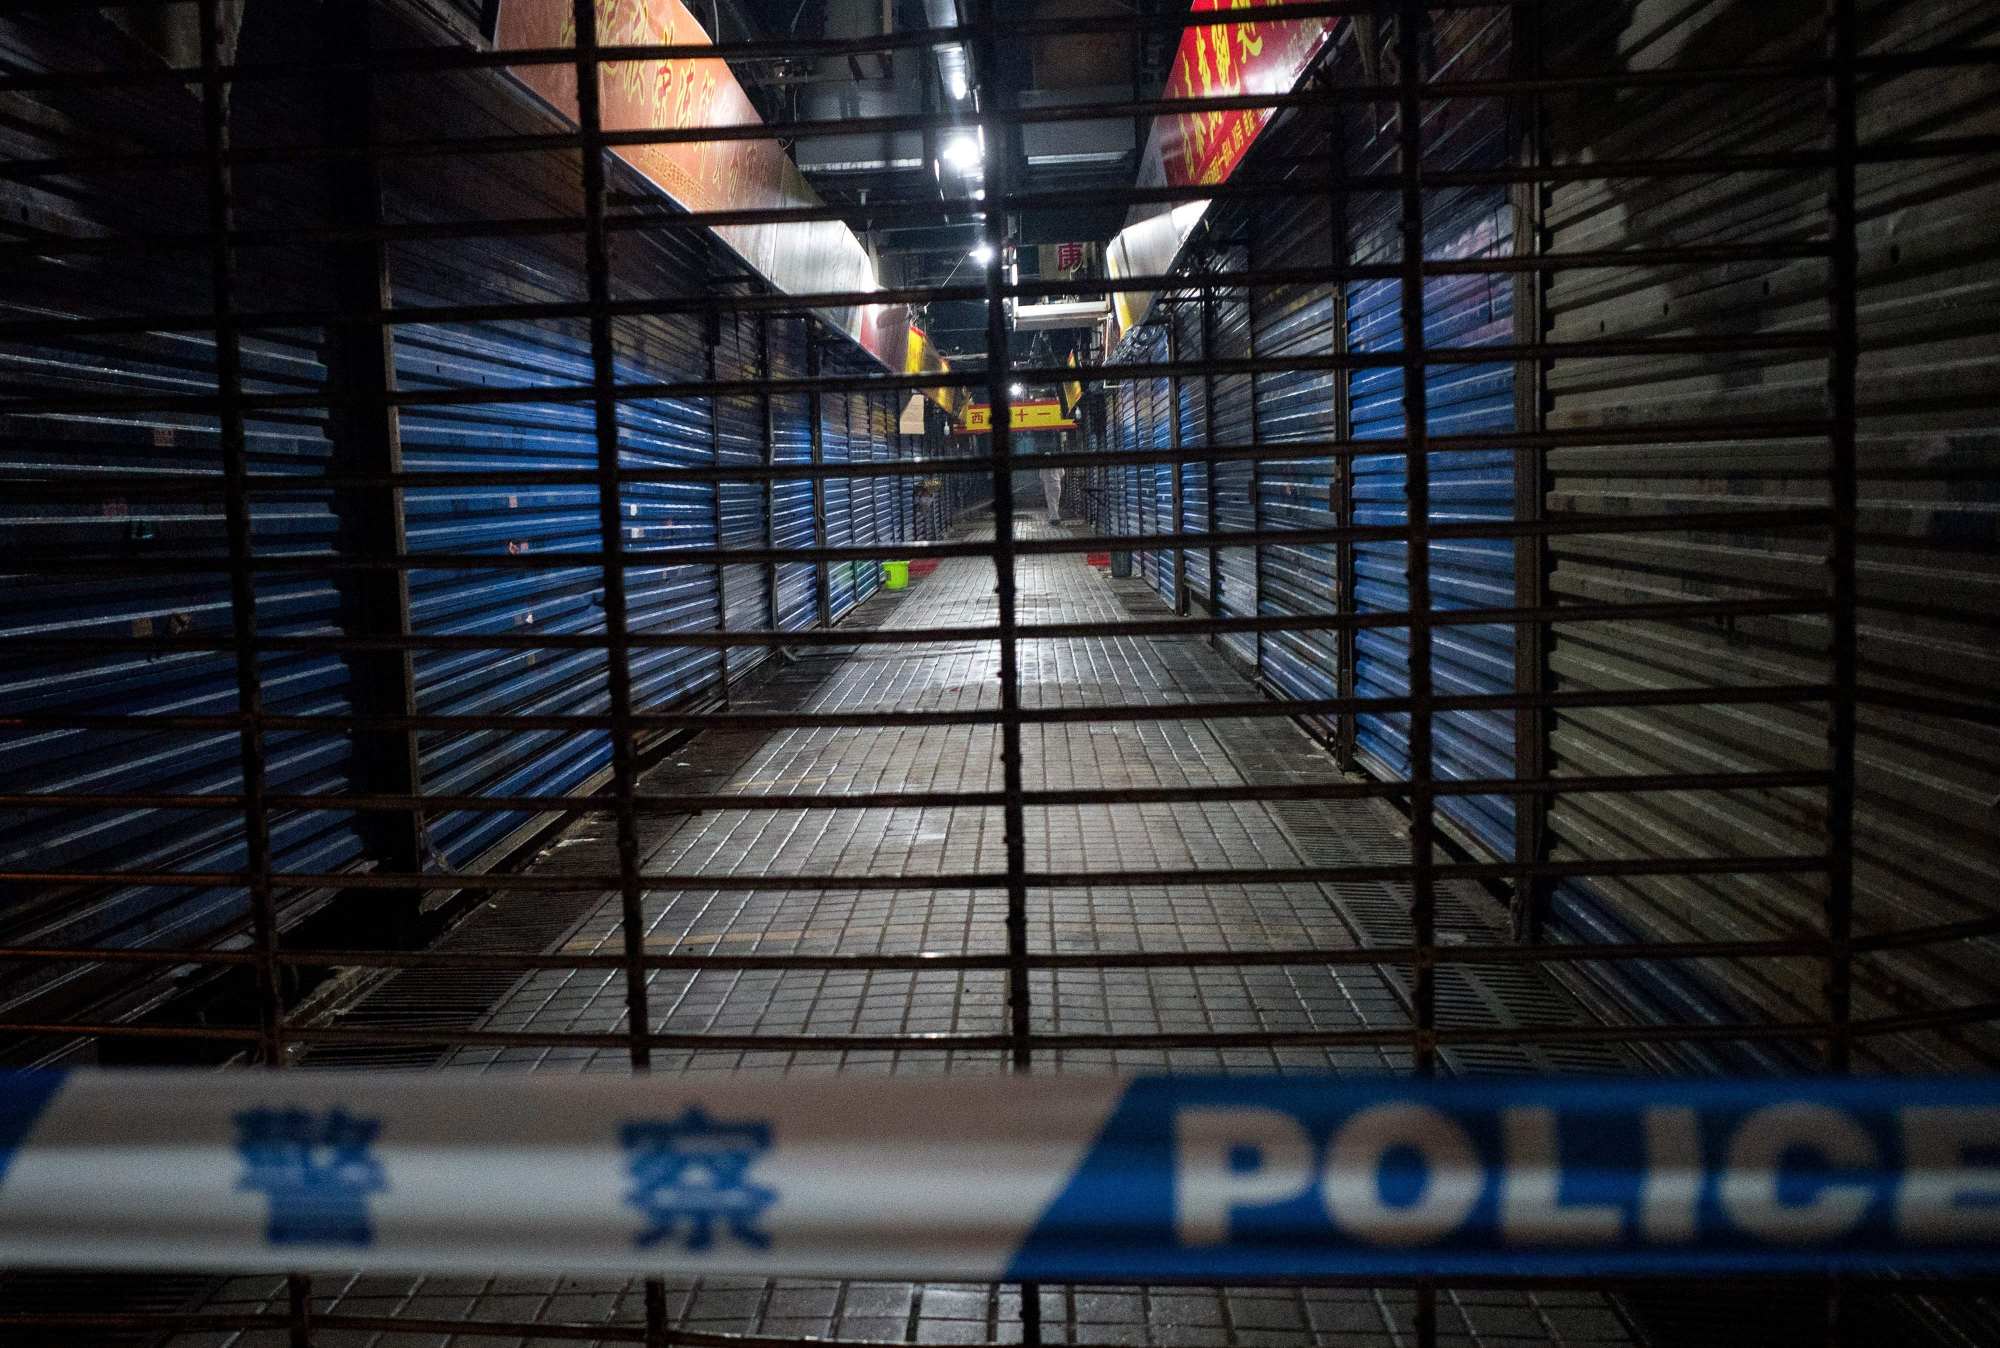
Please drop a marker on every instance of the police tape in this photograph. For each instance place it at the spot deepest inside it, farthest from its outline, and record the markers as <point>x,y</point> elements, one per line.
<point>1039,1178</point>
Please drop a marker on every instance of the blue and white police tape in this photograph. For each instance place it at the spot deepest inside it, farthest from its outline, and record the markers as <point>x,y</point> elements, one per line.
<point>1057,1178</point>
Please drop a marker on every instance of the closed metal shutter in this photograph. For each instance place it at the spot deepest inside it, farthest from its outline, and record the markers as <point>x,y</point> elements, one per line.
<point>657,517</point>
<point>1459,222</point>
<point>1193,414</point>
<point>891,517</point>
<point>833,449</point>
<point>1125,427</point>
<point>1160,476</point>
<point>746,599</point>
<point>1146,348</point>
<point>792,499</point>
<point>185,517</point>
<point>1296,405</point>
<point>861,493</point>
<point>1927,575</point>
<point>1233,424</point>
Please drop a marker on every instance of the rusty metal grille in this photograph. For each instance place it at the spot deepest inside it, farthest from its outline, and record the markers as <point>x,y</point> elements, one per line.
<point>285,331</point>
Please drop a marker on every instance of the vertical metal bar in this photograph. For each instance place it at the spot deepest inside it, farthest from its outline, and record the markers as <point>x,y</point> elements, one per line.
<point>999,360</point>
<point>365,432</point>
<point>1533,724</point>
<point>1208,442</point>
<point>1180,468</point>
<point>1842,276</point>
<point>1843,358</point>
<point>1341,485</point>
<point>713,335</point>
<point>236,512</point>
<point>1256,471</point>
<point>618,665</point>
<point>233,440</point>
<point>823,585</point>
<point>768,457</point>
<point>1417,497</point>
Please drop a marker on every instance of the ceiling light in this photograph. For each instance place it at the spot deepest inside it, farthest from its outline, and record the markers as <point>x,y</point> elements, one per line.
<point>1017,390</point>
<point>957,85</point>
<point>979,194</point>
<point>962,153</point>
<point>983,254</point>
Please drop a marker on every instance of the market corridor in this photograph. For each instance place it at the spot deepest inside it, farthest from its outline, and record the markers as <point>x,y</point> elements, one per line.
<point>1196,916</point>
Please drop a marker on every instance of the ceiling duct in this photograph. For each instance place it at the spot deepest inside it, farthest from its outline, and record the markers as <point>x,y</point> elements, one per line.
<point>875,84</point>
<point>1061,314</point>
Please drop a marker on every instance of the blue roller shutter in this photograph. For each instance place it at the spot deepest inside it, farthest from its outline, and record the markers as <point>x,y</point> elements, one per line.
<point>792,499</point>
<point>1463,400</point>
<point>1232,426</point>
<point>1296,405</point>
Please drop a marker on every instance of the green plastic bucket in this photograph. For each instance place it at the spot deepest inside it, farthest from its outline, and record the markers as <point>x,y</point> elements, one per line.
<point>896,575</point>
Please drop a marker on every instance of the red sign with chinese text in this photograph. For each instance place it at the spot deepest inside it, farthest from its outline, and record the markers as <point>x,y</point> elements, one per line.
<point>1262,56</point>
<point>707,175</point>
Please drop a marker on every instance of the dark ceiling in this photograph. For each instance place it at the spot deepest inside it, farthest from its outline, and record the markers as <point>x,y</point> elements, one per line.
<point>870,168</point>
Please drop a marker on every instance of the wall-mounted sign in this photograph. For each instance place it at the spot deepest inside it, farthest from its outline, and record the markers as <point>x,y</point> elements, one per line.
<point>1069,256</point>
<point>796,257</point>
<point>1263,56</point>
<point>1072,392</point>
<point>921,357</point>
<point>1030,414</point>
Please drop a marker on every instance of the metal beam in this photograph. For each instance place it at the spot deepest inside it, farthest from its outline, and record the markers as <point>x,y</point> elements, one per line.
<point>365,431</point>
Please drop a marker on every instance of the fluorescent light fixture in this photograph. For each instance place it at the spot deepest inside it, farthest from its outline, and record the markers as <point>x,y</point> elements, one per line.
<point>1017,390</point>
<point>983,254</point>
<point>962,153</point>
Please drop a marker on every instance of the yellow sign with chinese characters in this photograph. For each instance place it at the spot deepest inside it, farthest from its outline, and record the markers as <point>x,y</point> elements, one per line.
<point>1036,414</point>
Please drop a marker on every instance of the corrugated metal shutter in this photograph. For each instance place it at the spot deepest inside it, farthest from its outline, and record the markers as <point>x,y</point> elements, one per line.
<point>185,517</point>
<point>1930,511</point>
<point>1125,432</point>
<point>740,434</point>
<point>658,516</point>
<point>1233,424</point>
<point>1193,413</point>
<point>1296,405</point>
<point>891,522</point>
<point>1462,399</point>
<point>1147,348</point>
<point>1159,436</point>
<point>861,493</point>
<point>792,499</point>
<point>833,448</point>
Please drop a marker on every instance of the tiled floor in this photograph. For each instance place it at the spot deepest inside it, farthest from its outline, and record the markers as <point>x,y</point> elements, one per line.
<point>918,843</point>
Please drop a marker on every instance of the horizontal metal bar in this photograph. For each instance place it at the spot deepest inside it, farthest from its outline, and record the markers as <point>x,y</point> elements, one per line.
<point>1978,928</point>
<point>1942,1019</point>
<point>403,60</point>
<point>951,118</point>
<point>941,961</point>
<point>199,483</point>
<point>1241,709</point>
<point>953,1042</point>
<point>736,883</point>
<point>1792,519</point>
<point>781,302</point>
<point>670,804</point>
<point>196,1322</point>
<point>1807,343</point>
<point>1955,709</point>
<point>1143,629</point>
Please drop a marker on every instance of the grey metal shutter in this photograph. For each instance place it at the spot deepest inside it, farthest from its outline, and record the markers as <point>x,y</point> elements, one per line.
<point>1928,578</point>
